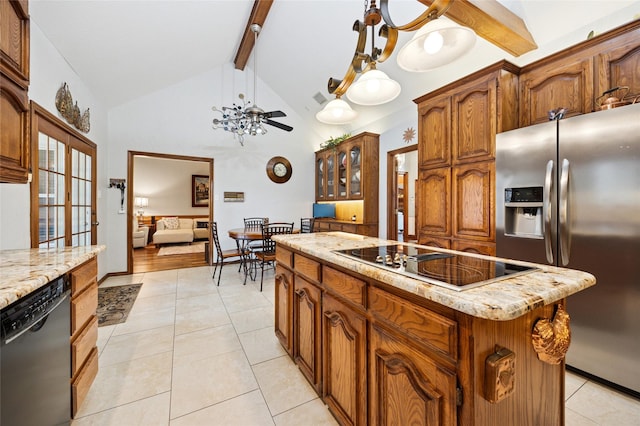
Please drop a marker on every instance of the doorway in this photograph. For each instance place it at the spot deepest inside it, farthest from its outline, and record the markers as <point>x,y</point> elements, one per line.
<point>402,175</point>
<point>161,200</point>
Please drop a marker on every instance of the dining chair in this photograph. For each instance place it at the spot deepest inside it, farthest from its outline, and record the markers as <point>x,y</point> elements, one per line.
<point>267,255</point>
<point>255,224</point>
<point>306,225</point>
<point>223,254</point>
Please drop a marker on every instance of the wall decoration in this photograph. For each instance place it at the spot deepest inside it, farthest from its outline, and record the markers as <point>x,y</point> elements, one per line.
<point>71,112</point>
<point>199,191</point>
<point>408,135</point>
<point>119,184</point>
<point>234,197</point>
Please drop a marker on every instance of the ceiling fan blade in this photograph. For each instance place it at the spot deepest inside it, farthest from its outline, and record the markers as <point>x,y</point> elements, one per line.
<point>279,125</point>
<point>274,114</point>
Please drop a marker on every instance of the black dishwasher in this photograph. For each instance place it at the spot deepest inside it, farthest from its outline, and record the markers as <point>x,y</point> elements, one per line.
<point>35,366</point>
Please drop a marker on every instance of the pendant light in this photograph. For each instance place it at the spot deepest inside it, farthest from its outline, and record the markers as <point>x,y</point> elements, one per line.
<point>336,112</point>
<point>436,43</point>
<point>374,87</point>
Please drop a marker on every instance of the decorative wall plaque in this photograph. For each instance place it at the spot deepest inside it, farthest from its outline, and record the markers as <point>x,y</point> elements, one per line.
<point>71,112</point>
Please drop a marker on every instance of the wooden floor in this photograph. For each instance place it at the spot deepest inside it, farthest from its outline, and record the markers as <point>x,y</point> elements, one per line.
<point>146,259</point>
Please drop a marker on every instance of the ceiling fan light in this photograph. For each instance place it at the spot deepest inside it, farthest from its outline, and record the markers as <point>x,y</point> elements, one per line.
<point>437,43</point>
<point>374,87</point>
<point>336,112</point>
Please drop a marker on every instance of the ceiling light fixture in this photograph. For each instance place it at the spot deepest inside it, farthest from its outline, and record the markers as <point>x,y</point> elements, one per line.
<point>436,44</point>
<point>336,112</point>
<point>248,118</point>
<point>364,63</point>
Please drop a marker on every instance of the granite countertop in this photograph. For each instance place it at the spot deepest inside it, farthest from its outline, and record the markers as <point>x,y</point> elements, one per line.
<point>23,271</point>
<point>504,300</point>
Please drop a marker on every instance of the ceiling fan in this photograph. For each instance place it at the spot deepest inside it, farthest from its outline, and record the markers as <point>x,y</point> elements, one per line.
<point>248,118</point>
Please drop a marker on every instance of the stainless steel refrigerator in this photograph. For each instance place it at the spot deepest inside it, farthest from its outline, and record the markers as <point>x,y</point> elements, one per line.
<point>568,194</point>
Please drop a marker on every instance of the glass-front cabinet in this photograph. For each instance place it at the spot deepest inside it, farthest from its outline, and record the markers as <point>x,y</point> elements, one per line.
<point>339,171</point>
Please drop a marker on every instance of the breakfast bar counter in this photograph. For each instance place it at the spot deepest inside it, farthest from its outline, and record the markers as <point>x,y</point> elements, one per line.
<point>381,347</point>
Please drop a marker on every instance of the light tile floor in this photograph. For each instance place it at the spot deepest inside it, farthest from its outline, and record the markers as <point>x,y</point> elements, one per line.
<point>192,353</point>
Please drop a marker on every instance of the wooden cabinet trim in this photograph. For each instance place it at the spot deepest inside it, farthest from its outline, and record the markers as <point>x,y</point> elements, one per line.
<point>284,257</point>
<point>307,267</point>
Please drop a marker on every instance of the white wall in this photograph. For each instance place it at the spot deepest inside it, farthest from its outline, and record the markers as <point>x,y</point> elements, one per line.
<point>167,184</point>
<point>48,70</point>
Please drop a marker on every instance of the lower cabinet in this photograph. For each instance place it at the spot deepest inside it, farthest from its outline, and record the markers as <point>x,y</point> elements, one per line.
<point>84,331</point>
<point>284,308</point>
<point>344,338</point>
<point>406,387</point>
<point>307,322</point>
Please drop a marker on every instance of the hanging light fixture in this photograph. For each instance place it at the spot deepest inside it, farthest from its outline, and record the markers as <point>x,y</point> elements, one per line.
<point>437,43</point>
<point>247,118</point>
<point>374,87</point>
<point>336,112</point>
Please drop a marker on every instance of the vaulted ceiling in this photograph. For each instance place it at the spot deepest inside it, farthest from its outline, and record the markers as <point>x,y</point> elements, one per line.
<point>126,49</point>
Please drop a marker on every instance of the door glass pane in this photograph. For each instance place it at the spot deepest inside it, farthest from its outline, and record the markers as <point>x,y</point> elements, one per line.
<point>354,172</point>
<point>51,191</point>
<point>342,174</point>
<point>81,198</point>
<point>330,177</point>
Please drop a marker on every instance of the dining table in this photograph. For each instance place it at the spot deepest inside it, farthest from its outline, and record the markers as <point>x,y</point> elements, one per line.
<point>243,237</point>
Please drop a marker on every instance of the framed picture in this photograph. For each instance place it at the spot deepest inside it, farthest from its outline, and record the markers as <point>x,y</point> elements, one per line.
<point>199,191</point>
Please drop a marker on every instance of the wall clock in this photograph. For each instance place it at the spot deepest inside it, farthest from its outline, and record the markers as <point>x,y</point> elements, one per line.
<point>279,169</point>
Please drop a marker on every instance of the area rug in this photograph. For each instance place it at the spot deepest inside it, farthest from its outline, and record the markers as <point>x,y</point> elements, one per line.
<point>182,249</point>
<point>114,303</point>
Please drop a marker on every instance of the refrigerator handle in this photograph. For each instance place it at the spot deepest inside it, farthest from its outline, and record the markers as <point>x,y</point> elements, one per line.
<point>546,211</point>
<point>563,213</point>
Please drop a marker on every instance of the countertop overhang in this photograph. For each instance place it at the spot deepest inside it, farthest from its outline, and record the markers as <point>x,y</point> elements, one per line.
<point>499,301</point>
<point>23,271</point>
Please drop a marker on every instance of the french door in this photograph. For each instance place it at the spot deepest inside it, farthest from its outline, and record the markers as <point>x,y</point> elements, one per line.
<point>63,202</point>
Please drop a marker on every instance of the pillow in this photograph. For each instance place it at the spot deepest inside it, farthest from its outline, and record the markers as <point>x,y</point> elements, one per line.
<point>171,223</point>
<point>201,224</point>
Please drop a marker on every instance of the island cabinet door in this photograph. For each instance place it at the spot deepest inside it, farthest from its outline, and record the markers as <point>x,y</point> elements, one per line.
<point>344,361</point>
<point>307,318</point>
<point>283,308</point>
<point>406,387</point>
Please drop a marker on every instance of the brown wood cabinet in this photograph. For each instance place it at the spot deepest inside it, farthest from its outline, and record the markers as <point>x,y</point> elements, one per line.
<point>283,308</point>
<point>14,86</point>
<point>575,77</point>
<point>344,338</point>
<point>456,151</point>
<point>84,331</point>
<point>385,356</point>
<point>348,175</point>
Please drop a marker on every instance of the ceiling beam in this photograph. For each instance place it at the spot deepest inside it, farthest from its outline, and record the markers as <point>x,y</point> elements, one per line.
<point>493,22</point>
<point>258,16</point>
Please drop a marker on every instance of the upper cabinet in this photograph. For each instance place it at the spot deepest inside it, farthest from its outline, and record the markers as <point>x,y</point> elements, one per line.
<point>14,84</point>
<point>345,172</point>
<point>348,176</point>
<point>456,149</point>
<point>574,78</point>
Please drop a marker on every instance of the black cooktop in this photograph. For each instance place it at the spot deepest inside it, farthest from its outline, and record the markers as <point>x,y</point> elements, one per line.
<point>453,271</point>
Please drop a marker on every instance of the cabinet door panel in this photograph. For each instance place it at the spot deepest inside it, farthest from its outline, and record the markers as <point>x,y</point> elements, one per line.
<point>473,201</point>
<point>435,202</point>
<point>434,133</point>
<point>283,308</point>
<point>474,123</point>
<point>14,137</point>
<point>410,387</point>
<point>344,362</point>
<point>557,85</point>
<point>619,67</point>
<point>307,319</point>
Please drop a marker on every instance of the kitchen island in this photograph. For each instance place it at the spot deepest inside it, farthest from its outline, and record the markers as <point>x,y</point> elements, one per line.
<point>382,348</point>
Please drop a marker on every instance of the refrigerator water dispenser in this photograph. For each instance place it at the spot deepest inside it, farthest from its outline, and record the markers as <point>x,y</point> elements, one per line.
<point>523,212</point>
